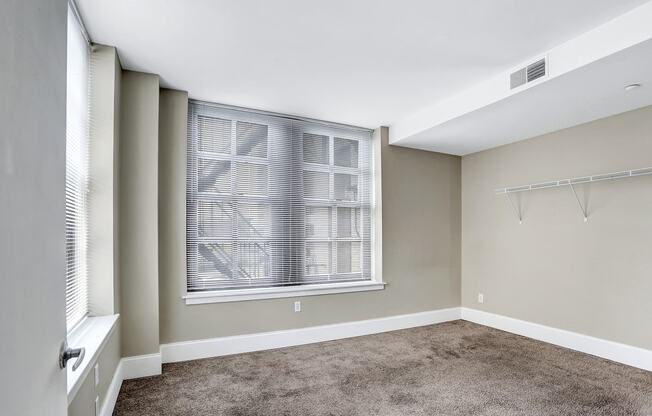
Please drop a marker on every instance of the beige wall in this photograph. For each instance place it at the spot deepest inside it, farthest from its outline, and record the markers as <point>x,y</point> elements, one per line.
<point>554,269</point>
<point>84,402</point>
<point>103,169</point>
<point>172,209</point>
<point>117,83</point>
<point>421,240</point>
<point>139,303</point>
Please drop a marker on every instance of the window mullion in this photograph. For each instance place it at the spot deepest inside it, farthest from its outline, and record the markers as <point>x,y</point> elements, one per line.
<point>235,247</point>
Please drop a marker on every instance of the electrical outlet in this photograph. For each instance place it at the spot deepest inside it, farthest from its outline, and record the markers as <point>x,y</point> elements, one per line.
<point>297,306</point>
<point>480,298</point>
<point>97,374</point>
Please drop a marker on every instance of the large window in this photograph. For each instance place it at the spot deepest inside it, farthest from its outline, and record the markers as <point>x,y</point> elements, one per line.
<point>77,120</point>
<point>274,201</point>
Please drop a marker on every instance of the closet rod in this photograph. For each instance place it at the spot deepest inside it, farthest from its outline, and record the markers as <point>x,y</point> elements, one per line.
<point>575,181</point>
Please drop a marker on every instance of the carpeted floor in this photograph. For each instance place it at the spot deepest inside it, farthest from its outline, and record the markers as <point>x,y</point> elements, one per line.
<point>455,368</point>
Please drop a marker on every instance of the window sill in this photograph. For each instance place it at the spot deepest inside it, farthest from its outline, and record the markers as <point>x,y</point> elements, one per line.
<point>92,334</point>
<point>236,295</point>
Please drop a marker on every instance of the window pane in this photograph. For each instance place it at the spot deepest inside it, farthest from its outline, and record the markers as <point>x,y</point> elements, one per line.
<point>214,176</point>
<point>345,152</point>
<point>251,139</point>
<point>315,149</point>
<point>275,201</point>
<point>77,174</point>
<point>252,179</point>
<point>214,219</point>
<point>214,135</point>
<point>315,184</point>
<point>253,260</point>
<point>318,222</point>
<point>253,220</point>
<point>348,222</point>
<point>346,187</point>
<point>215,260</point>
<point>318,258</point>
<point>348,257</point>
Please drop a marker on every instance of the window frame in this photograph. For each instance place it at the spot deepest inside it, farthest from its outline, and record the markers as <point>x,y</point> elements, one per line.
<point>299,289</point>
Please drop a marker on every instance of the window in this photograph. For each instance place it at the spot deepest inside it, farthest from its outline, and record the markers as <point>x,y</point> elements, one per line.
<point>274,201</point>
<point>77,120</point>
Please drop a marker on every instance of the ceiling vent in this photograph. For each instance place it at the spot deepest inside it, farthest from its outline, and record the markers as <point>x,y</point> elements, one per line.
<point>527,74</point>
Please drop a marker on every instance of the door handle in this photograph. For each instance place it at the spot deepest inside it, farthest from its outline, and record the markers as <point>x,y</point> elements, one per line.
<point>70,353</point>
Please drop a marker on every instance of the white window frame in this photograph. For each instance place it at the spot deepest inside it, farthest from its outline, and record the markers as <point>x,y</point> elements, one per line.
<point>235,295</point>
<point>374,284</point>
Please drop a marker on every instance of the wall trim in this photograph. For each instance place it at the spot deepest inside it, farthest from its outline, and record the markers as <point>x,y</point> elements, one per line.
<point>112,392</point>
<point>614,351</point>
<point>129,367</point>
<point>216,347</point>
<point>141,366</point>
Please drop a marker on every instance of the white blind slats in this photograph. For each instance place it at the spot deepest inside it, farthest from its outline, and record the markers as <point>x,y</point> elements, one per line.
<point>345,152</point>
<point>77,125</point>
<point>273,201</point>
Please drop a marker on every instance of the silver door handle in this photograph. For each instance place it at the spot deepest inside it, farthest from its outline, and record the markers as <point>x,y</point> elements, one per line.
<point>70,353</point>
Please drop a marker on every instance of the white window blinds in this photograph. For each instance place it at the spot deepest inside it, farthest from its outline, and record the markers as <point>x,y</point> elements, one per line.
<point>273,201</point>
<point>77,120</point>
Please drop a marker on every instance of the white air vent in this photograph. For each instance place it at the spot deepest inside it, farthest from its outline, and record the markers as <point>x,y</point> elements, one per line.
<point>528,73</point>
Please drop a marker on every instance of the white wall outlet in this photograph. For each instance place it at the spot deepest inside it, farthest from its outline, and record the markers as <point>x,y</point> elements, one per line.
<point>297,306</point>
<point>480,298</point>
<point>97,374</point>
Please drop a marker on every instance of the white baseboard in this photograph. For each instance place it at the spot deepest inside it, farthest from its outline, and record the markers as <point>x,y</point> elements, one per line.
<point>215,347</point>
<point>112,393</point>
<point>141,366</point>
<point>129,367</point>
<point>614,351</point>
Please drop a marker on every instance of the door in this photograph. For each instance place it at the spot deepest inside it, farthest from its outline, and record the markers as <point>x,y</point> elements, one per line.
<point>32,201</point>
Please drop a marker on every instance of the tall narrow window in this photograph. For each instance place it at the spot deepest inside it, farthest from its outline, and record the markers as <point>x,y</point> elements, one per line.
<point>274,201</point>
<point>77,120</point>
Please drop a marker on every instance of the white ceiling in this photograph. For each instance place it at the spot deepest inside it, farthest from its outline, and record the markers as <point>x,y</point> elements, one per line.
<point>589,93</point>
<point>362,62</point>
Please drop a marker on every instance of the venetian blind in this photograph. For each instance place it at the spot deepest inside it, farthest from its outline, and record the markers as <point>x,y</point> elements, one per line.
<point>275,201</point>
<point>77,121</point>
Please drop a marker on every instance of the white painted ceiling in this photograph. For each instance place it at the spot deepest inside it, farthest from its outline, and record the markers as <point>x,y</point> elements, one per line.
<point>362,62</point>
<point>589,93</point>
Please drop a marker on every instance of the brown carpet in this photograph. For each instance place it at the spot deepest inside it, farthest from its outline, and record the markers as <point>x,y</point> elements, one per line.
<point>455,368</point>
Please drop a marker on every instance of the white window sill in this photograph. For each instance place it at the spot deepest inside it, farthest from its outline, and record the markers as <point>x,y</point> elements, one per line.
<point>91,334</point>
<point>236,295</point>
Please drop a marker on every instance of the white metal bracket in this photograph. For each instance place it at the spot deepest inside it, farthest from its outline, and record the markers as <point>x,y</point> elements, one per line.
<point>517,210</point>
<point>579,202</point>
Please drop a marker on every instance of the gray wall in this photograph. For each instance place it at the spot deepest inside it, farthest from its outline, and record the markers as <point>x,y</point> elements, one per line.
<point>103,169</point>
<point>32,207</point>
<point>139,303</point>
<point>554,269</point>
<point>173,117</point>
<point>421,240</point>
<point>117,83</point>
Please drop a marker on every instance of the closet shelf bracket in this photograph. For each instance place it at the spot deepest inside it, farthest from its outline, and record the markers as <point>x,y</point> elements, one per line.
<point>570,183</point>
<point>579,202</point>
<point>517,210</point>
